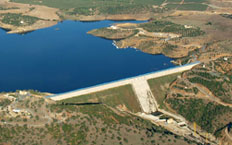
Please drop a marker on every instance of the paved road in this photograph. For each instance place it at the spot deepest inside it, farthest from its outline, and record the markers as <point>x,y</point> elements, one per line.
<point>120,82</point>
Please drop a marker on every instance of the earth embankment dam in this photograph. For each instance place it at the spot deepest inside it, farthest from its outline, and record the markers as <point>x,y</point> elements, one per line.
<point>139,85</point>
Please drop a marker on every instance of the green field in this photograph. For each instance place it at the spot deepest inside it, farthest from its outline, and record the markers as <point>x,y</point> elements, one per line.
<point>159,87</point>
<point>99,7</point>
<point>172,6</point>
<point>112,97</point>
<point>66,4</point>
<point>188,5</point>
<point>195,1</point>
<point>112,7</point>
<point>174,1</point>
<point>193,7</point>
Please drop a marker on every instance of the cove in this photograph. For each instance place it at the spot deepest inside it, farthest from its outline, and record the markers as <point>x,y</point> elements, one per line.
<point>64,57</point>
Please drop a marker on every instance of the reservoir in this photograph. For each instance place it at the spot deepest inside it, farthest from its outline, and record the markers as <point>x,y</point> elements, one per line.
<point>64,57</point>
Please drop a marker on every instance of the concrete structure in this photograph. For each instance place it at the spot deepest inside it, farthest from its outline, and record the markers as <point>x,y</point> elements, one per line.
<point>139,84</point>
<point>144,94</point>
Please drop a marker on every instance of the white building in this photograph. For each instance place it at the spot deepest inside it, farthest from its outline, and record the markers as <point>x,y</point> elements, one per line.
<point>23,92</point>
<point>187,26</point>
<point>113,27</point>
<point>16,110</point>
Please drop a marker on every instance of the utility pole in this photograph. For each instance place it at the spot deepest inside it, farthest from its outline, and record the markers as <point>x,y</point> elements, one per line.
<point>195,128</point>
<point>206,138</point>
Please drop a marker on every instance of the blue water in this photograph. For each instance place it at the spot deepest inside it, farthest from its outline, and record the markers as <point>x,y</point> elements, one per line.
<point>55,61</point>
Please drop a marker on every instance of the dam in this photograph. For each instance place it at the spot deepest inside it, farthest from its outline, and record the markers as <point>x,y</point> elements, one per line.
<point>139,85</point>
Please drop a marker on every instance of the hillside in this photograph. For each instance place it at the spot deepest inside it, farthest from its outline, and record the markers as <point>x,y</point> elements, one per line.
<point>154,37</point>
<point>29,117</point>
<point>50,12</point>
<point>203,95</point>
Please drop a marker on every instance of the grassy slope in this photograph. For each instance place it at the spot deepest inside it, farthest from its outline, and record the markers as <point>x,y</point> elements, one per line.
<point>188,5</point>
<point>193,7</point>
<point>159,87</point>
<point>112,97</point>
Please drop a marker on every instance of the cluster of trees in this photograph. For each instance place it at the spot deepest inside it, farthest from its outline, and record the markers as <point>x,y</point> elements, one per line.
<point>87,11</point>
<point>128,9</point>
<point>216,87</point>
<point>114,9</point>
<point>169,27</point>
<point>18,19</point>
<point>4,102</point>
<point>205,114</point>
<point>9,8</point>
<point>226,16</point>
<point>168,48</point>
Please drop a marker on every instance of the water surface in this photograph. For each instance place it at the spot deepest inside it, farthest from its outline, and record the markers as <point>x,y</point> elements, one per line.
<point>63,57</point>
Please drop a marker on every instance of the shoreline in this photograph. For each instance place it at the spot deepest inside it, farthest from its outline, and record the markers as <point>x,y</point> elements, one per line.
<point>10,29</point>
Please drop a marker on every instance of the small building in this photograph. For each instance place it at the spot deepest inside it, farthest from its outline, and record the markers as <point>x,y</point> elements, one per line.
<point>16,110</point>
<point>162,120</point>
<point>187,26</point>
<point>113,27</point>
<point>171,121</point>
<point>23,93</point>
